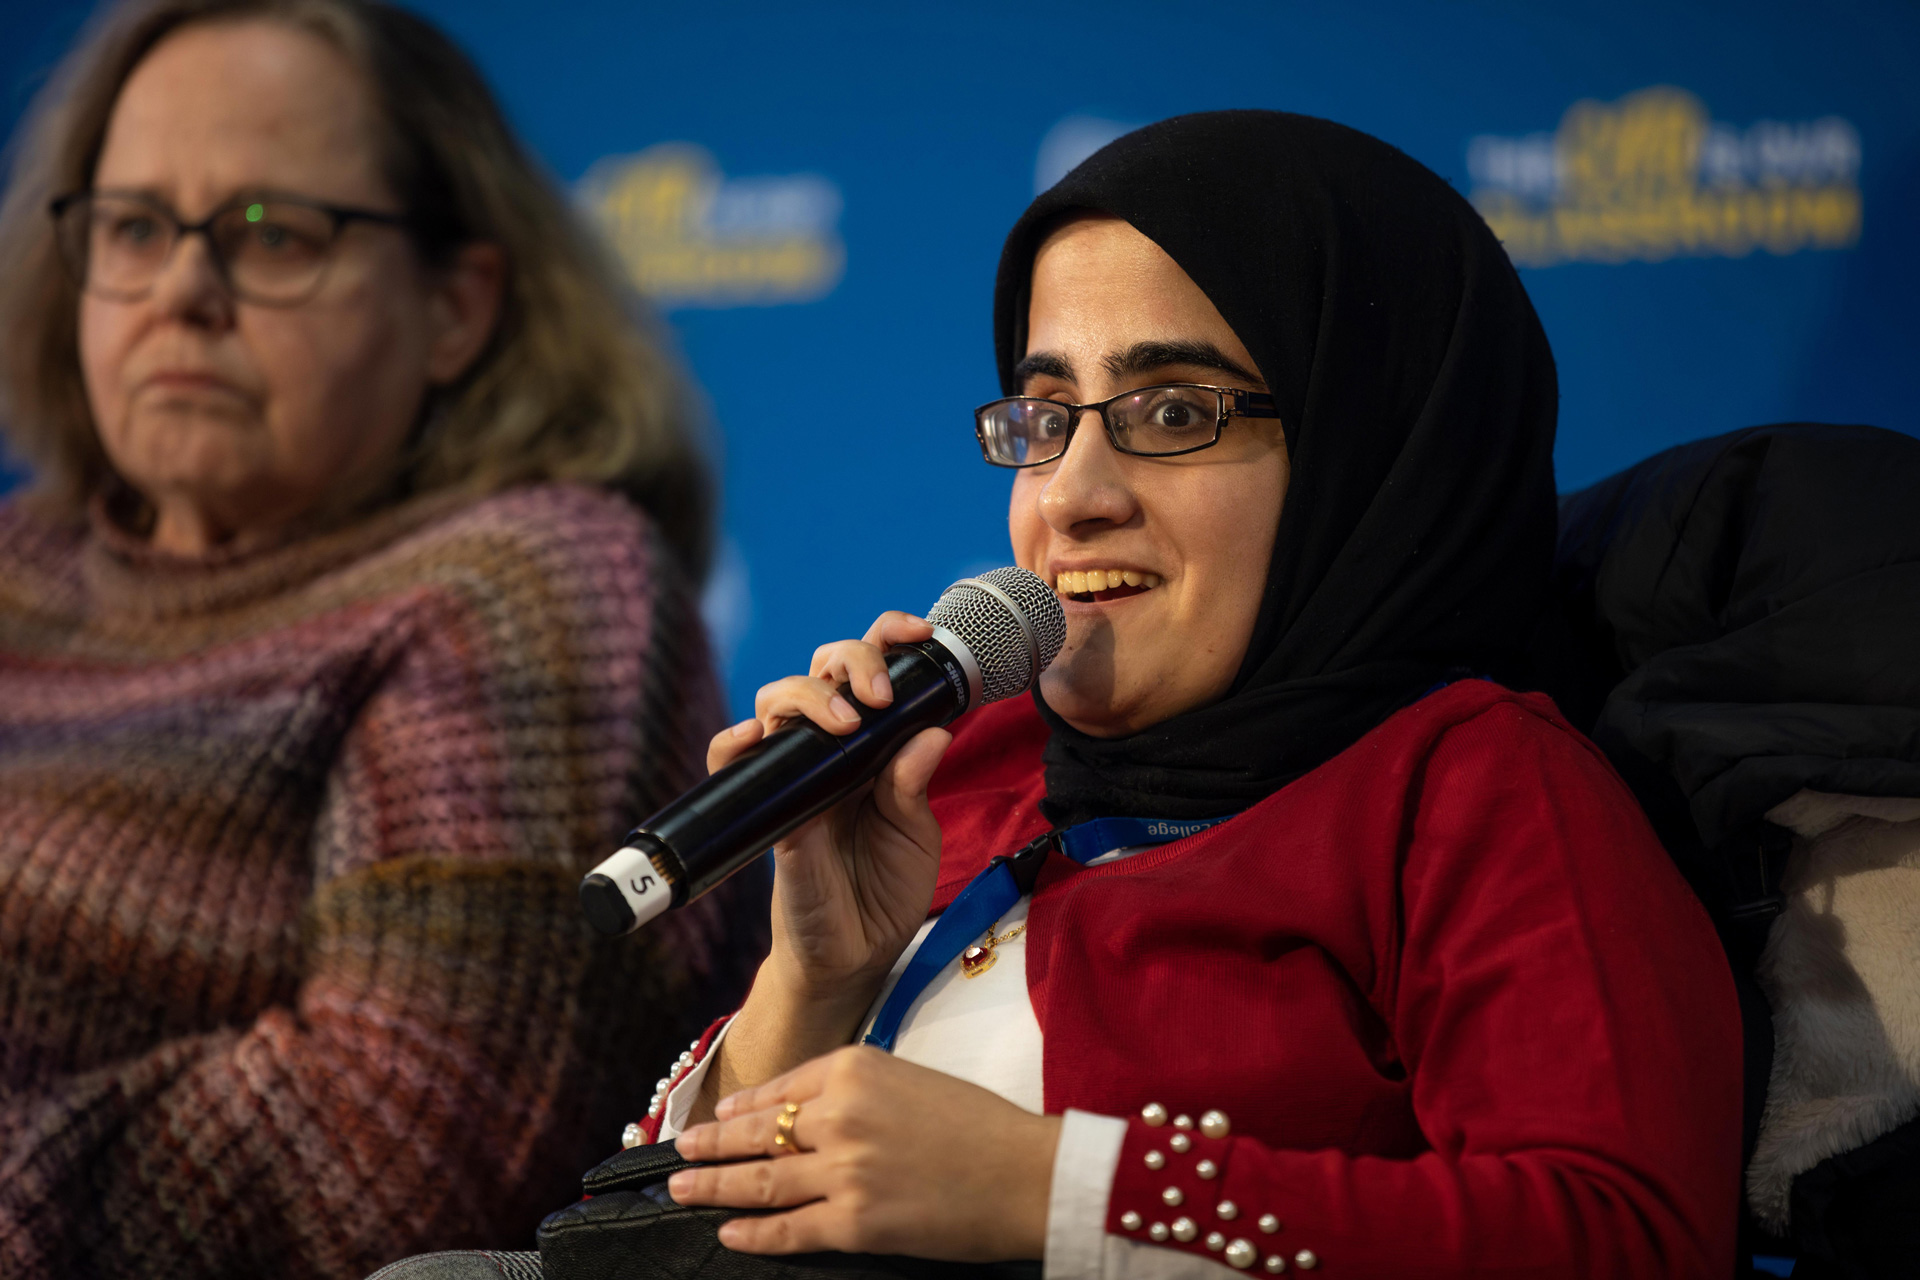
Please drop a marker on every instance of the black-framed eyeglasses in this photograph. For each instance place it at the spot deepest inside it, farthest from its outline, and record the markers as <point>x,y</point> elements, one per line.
<point>268,249</point>
<point>1151,422</point>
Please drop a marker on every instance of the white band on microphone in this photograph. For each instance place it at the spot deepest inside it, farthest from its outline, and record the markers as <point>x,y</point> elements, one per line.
<point>648,893</point>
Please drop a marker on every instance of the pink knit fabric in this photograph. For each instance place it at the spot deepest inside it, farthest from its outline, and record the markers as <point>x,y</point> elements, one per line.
<point>293,978</point>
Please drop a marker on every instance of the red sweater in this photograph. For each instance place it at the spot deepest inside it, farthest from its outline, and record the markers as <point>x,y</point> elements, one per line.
<point>1463,1014</point>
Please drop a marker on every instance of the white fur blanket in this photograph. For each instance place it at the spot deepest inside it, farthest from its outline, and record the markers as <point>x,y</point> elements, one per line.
<point>1842,970</point>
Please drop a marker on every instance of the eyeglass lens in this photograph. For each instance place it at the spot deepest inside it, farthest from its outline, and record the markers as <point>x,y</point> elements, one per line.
<point>271,251</point>
<point>1154,420</point>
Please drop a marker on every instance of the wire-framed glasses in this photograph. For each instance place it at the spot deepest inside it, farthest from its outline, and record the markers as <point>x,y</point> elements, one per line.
<point>1151,422</point>
<point>268,249</point>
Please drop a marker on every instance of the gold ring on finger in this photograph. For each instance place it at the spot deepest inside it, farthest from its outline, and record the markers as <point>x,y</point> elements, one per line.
<point>783,1129</point>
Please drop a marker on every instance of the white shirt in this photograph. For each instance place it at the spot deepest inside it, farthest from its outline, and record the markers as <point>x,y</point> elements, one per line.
<point>983,1030</point>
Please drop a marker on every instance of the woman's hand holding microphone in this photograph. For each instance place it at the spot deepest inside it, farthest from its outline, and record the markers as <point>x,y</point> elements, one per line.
<point>892,1157</point>
<point>850,887</point>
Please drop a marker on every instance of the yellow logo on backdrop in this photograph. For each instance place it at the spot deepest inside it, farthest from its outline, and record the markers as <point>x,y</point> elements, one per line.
<point>691,237</point>
<point>1652,177</point>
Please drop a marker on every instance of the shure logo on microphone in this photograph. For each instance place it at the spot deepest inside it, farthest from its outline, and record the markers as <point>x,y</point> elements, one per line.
<point>955,677</point>
<point>1176,829</point>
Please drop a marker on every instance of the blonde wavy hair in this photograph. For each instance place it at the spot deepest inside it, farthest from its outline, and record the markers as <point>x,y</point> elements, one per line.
<point>571,387</point>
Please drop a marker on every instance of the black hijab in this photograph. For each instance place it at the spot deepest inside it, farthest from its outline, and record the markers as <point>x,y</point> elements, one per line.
<point>1418,397</point>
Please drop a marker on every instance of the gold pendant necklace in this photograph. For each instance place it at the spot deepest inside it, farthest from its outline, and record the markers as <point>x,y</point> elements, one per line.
<point>979,958</point>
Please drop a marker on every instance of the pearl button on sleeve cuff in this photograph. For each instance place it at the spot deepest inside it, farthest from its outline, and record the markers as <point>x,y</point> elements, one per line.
<point>675,1105</point>
<point>1174,1187</point>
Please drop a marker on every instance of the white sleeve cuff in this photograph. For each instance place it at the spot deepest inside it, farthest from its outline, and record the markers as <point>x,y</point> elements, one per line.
<point>1083,1169</point>
<point>680,1099</point>
<point>1078,1246</point>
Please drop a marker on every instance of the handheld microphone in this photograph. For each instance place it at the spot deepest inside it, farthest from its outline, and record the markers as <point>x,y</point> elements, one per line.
<point>992,637</point>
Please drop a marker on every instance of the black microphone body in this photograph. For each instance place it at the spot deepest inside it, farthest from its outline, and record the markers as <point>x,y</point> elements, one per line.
<point>734,816</point>
<point>992,637</point>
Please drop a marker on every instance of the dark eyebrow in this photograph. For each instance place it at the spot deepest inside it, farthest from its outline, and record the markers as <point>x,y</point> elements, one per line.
<point>1042,364</point>
<point>1140,358</point>
<point>1145,357</point>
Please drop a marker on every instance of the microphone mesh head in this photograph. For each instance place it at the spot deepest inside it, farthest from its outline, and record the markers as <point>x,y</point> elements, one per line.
<point>1012,645</point>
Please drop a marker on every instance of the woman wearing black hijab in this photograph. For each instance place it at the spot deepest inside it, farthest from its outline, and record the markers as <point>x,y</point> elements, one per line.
<point>1431,1000</point>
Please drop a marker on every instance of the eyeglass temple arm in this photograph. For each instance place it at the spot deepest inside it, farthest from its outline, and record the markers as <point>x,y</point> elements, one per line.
<point>1252,404</point>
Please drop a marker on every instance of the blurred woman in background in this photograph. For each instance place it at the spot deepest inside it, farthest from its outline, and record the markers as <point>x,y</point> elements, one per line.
<point>349,618</point>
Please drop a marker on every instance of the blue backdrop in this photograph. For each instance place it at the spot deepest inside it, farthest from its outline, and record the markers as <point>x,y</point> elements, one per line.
<point>1715,206</point>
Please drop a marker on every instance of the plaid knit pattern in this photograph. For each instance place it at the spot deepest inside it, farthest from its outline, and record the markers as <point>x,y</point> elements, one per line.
<point>293,978</point>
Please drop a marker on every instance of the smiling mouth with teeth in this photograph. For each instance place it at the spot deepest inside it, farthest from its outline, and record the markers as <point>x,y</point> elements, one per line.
<point>1104,584</point>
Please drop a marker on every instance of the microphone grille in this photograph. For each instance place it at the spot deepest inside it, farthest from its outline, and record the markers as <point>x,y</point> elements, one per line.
<point>1012,623</point>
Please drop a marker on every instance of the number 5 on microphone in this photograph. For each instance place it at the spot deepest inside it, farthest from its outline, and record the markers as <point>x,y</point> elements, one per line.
<point>647,892</point>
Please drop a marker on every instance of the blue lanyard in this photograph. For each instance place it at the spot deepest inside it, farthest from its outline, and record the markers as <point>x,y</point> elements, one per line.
<point>991,893</point>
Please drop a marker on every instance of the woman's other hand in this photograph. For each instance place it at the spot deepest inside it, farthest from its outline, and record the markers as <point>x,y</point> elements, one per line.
<point>851,887</point>
<point>890,1157</point>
